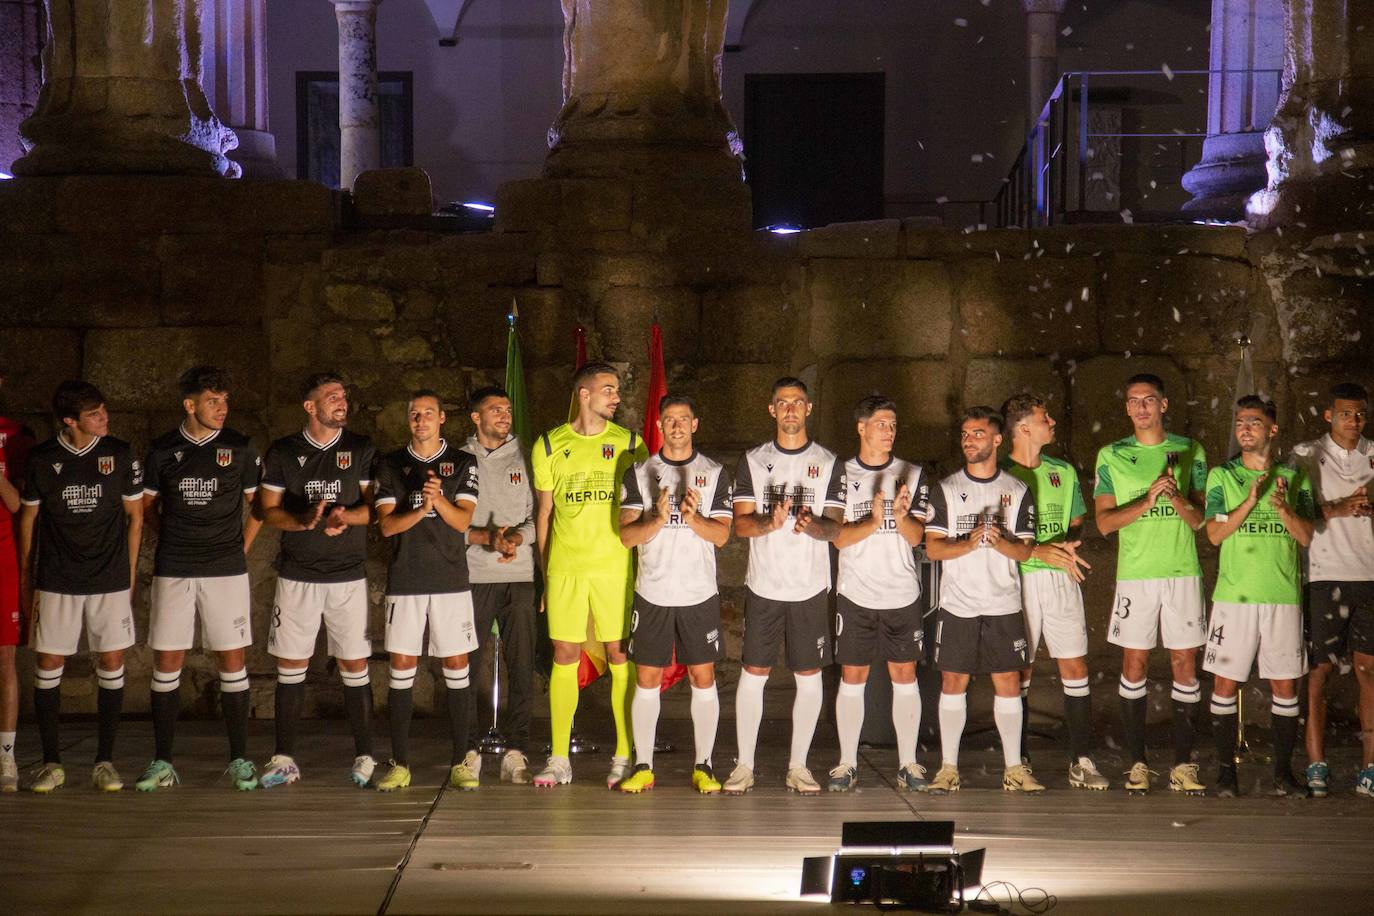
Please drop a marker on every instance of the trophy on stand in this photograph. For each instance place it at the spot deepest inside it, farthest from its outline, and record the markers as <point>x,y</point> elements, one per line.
<point>493,742</point>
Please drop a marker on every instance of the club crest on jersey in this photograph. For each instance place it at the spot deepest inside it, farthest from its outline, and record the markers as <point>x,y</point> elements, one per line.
<point>344,460</point>
<point>1005,500</point>
<point>105,464</point>
<point>224,457</point>
<point>516,477</point>
<point>446,469</point>
<point>813,470</point>
<point>699,481</point>
<point>1054,478</point>
<point>608,452</point>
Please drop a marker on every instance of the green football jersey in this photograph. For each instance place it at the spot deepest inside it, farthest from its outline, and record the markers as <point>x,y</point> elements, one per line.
<point>1058,500</point>
<point>1259,561</point>
<point>1159,544</point>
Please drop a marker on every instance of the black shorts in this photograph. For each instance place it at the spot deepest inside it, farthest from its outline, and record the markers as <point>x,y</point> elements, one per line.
<point>864,635</point>
<point>980,645</point>
<point>803,625</point>
<point>693,631</point>
<point>1340,620</point>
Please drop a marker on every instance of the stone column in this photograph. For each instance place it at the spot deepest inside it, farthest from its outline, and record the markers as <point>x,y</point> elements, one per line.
<point>121,93</point>
<point>360,145</point>
<point>1320,144</point>
<point>641,92</point>
<point>20,43</point>
<point>235,64</point>
<point>1042,54</point>
<point>1247,35</point>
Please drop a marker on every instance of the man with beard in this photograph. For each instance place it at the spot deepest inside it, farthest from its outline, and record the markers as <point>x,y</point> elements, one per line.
<point>317,488</point>
<point>196,479</point>
<point>1259,515</point>
<point>501,564</point>
<point>675,508</point>
<point>779,486</point>
<point>425,496</point>
<point>577,471</point>
<point>1149,488</point>
<point>981,526</point>
<point>83,511</point>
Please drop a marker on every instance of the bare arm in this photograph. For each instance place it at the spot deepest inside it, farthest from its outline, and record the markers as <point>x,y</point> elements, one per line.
<point>1219,529</point>
<point>821,527</point>
<point>715,531</point>
<point>393,523</point>
<point>941,547</point>
<point>638,527</point>
<point>275,515</point>
<point>251,523</point>
<point>151,514</point>
<point>28,517</point>
<point>9,496</point>
<point>1112,518</point>
<point>752,524</point>
<point>133,511</point>
<point>1299,528</point>
<point>1189,508</point>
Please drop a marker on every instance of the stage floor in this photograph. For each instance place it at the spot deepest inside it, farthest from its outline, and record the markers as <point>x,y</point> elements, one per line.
<point>322,846</point>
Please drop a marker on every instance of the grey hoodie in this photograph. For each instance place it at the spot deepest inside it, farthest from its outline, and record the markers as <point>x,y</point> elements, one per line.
<point>505,498</point>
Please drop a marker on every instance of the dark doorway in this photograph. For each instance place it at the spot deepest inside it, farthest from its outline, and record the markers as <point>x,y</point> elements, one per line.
<point>813,145</point>
<point>317,123</point>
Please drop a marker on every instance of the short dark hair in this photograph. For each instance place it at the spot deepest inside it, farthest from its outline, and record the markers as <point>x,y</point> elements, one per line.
<point>425,393</point>
<point>870,405</point>
<point>1146,378</point>
<point>479,397</point>
<point>1255,402</point>
<point>590,371</point>
<point>677,400</point>
<point>1019,406</point>
<point>203,378</point>
<point>73,397</point>
<point>981,412</point>
<point>791,381</point>
<point>318,379</point>
<point>1349,391</point>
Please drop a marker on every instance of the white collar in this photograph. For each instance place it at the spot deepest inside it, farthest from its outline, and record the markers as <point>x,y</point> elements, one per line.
<point>192,439</point>
<point>322,445</point>
<point>61,437</point>
<point>443,447</point>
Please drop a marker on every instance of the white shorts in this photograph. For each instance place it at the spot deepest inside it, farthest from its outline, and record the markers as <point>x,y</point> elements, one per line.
<point>1054,609</point>
<point>224,603</point>
<point>1147,612</point>
<point>452,629</point>
<point>300,606</point>
<point>1237,634</point>
<point>108,618</point>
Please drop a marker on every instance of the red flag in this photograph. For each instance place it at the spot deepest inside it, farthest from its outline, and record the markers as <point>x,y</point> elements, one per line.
<point>653,440</point>
<point>658,387</point>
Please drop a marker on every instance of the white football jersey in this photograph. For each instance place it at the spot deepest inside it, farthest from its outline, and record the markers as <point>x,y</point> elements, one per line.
<point>982,583</point>
<point>1342,548</point>
<point>784,565</point>
<point>880,572</point>
<point>677,567</point>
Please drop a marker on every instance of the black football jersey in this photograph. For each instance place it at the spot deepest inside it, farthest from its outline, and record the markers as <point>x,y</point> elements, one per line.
<point>429,558</point>
<point>200,486</point>
<point>304,472</point>
<point>83,533</point>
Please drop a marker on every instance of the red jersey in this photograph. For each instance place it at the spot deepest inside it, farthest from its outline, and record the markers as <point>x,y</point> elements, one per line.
<point>15,442</point>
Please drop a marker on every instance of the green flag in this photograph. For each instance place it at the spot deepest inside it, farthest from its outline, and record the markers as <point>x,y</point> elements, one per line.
<point>515,382</point>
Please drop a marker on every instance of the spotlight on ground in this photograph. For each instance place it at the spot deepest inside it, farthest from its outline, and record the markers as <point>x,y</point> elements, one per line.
<point>895,864</point>
<point>783,229</point>
<point>470,215</point>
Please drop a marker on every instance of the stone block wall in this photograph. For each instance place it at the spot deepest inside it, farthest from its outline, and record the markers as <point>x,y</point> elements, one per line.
<point>127,281</point>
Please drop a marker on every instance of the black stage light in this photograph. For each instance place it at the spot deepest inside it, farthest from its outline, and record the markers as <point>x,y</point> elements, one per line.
<point>895,865</point>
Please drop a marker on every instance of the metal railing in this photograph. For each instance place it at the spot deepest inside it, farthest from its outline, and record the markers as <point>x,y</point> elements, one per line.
<point>1052,177</point>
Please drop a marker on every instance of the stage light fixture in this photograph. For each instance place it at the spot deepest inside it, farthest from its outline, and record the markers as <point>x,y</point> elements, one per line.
<point>783,229</point>
<point>905,864</point>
